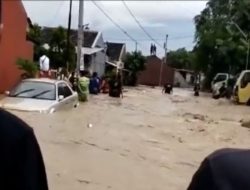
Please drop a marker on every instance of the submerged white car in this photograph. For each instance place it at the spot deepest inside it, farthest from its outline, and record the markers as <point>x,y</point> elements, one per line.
<point>40,95</point>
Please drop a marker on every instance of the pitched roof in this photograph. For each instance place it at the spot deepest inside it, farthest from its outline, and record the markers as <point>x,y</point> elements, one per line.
<point>114,50</point>
<point>88,38</point>
<point>153,59</point>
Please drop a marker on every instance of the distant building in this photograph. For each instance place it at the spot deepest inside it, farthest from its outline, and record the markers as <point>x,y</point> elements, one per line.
<point>13,43</point>
<point>93,48</point>
<point>184,78</point>
<point>151,75</point>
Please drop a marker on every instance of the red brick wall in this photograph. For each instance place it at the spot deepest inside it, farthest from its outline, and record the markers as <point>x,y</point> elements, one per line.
<point>13,43</point>
<point>151,75</point>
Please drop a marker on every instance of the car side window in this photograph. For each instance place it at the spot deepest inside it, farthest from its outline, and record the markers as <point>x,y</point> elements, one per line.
<point>60,90</point>
<point>64,90</point>
<point>67,91</point>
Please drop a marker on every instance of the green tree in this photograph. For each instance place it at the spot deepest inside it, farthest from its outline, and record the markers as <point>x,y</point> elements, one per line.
<point>134,62</point>
<point>219,46</point>
<point>35,35</point>
<point>57,46</point>
<point>29,68</point>
<point>181,59</point>
<point>58,50</point>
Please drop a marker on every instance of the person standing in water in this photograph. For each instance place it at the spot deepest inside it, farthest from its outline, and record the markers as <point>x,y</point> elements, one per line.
<point>115,86</point>
<point>94,85</point>
<point>104,85</point>
<point>83,86</point>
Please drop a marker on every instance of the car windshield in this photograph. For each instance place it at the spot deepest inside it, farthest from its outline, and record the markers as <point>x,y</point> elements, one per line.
<point>220,78</point>
<point>36,90</point>
<point>246,77</point>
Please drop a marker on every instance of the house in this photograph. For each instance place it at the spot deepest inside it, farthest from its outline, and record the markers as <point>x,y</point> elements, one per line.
<point>156,72</point>
<point>13,42</point>
<point>93,48</point>
<point>184,78</point>
<point>115,53</point>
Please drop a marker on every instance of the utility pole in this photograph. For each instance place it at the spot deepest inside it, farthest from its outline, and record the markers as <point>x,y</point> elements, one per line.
<point>68,34</point>
<point>136,46</point>
<point>166,49</point>
<point>80,58</point>
<point>163,61</point>
<point>248,44</point>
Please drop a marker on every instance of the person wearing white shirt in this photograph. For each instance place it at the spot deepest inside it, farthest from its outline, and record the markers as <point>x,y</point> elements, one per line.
<point>44,66</point>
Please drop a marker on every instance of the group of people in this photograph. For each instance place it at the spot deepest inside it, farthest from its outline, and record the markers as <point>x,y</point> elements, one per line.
<point>152,49</point>
<point>86,84</point>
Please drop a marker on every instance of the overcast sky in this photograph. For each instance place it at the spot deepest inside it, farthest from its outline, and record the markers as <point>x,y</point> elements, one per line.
<point>159,18</point>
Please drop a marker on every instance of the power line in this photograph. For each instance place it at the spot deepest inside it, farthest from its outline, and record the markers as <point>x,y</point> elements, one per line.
<point>146,40</point>
<point>117,25</point>
<point>57,12</point>
<point>139,24</point>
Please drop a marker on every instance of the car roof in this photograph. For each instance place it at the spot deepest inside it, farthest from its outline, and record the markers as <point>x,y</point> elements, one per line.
<point>47,80</point>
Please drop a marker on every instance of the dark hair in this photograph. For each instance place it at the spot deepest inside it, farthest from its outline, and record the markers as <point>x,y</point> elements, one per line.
<point>84,73</point>
<point>95,74</point>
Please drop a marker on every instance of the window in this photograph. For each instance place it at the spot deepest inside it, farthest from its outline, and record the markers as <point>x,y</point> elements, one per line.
<point>64,90</point>
<point>246,78</point>
<point>35,90</point>
<point>67,91</point>
<point>220,78</point>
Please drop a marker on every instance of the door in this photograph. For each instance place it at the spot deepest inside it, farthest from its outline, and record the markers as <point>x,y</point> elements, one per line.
<point>65,92</point>
<point>244,88</point>
<point>218,80</point>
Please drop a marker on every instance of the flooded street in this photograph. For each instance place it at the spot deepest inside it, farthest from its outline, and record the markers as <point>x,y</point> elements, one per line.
<point>146,141</point>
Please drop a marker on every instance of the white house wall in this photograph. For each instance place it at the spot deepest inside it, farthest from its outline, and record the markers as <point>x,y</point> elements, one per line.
<point>97,63</point>
<point>98,59</point>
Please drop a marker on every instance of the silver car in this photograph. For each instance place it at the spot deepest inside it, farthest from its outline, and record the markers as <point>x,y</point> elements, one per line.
<point>40,95</point>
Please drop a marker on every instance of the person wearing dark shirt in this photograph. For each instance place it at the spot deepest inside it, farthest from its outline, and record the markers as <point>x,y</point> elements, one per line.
<point>167,88</point>
<point>94,84</point>
<point>222,90</point>
<point>115,86</point>
<point>72,80</point>
<point>21,162</point>
<point>225,169</point>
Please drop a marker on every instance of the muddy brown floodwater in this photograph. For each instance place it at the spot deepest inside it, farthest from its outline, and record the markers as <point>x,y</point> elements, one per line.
<point>146,141</point>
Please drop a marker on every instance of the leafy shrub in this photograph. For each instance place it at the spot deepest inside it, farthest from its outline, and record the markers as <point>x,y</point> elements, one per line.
<point>30,68</point>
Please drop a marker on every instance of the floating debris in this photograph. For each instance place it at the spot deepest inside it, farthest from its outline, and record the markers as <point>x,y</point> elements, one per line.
<point>245,124</point>
<point>90,125</point>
